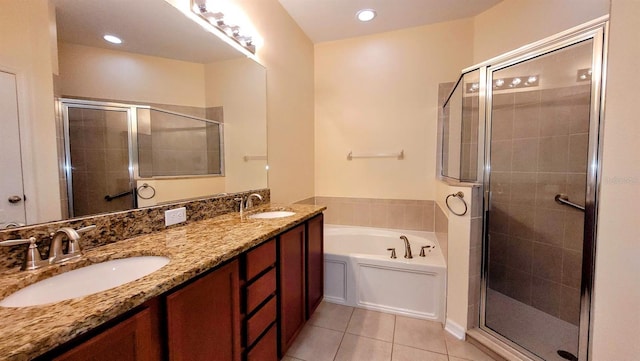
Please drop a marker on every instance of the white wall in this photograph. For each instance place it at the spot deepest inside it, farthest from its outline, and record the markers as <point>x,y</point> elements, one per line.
<point>240,86</point>
<point>616,312</point>
<point>459,243</point>
<point>378,94</point>
<point>287,54</point>
<point>108,74</point>
<point>27,52</point>
<point>514,23</point>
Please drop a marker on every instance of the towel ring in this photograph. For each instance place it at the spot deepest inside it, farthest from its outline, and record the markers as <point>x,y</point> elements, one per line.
<point>460,196</point>
<point>145,186</point>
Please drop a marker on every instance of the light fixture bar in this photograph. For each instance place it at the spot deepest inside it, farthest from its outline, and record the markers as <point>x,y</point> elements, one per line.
<point>516,82</point>
<point>231,32</point>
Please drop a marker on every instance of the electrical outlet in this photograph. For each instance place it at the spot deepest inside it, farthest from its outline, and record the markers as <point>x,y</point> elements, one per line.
<point>175,216</point>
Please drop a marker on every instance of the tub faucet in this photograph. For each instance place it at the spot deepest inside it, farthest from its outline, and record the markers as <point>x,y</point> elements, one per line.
<point>407,247</point>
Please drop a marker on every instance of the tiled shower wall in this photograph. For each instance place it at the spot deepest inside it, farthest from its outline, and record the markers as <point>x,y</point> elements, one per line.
<point>99,151</point>
<point>539,149</point>
<point>381,213</point>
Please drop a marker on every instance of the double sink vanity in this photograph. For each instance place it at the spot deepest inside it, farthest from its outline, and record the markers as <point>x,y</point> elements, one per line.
<point>229,287</point>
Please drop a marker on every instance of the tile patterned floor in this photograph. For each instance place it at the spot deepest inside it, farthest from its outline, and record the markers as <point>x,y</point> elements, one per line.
<point>341,333</point>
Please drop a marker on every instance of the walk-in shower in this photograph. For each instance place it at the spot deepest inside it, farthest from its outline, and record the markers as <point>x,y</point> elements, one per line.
<point>533,115</point>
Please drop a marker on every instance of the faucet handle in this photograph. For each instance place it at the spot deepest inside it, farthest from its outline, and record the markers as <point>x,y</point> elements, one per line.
<point>15,242</point>
<point>422,254</point>
<point>32,260</point>
<point>241,200</point>
<point>86,229</point>
<point>393,252</point>
<point>74,242</point>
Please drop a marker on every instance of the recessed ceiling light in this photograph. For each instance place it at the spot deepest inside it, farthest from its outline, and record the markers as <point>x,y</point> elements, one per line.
<point>366,14</point>
<point>112,39</point>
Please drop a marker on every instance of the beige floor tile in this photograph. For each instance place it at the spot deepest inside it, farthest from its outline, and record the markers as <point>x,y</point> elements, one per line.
<point>332,316</point>
<point>315,344</point>
<point>464,350</point>
<point>406,353</point>
<point>289,358</point>
<point>372,324</point>
<point>355,348</point>
<point>422,334</point>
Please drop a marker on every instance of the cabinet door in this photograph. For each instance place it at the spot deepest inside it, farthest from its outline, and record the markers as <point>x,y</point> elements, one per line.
<point>292,304</point>
<point>203,318</point>
<point>134,339</point>
<point>315,263</point>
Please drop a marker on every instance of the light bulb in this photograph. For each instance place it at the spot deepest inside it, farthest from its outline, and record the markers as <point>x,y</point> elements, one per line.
<point>112,39</point>
<point>516,81</point>
<point>499,82</point>
<point>532,79</point>
<point>366,15</point>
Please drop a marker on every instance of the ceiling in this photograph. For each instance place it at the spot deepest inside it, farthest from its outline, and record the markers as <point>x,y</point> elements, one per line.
<point>328,20</point>
<point>151,27</point>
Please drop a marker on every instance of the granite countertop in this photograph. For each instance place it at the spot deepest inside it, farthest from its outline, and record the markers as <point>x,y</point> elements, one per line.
<point>194,248</point>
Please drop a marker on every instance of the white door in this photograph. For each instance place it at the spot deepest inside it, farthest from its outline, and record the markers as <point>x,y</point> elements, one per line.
<point>11,190</point>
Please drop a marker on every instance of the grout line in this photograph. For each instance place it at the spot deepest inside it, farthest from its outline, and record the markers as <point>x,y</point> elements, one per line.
<point>344,333</point>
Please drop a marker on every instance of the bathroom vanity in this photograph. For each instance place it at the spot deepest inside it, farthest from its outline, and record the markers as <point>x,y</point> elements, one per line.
<point>235,289</point>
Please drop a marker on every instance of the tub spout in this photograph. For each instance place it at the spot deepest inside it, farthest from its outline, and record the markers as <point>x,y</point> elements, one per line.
<point>407,247</point>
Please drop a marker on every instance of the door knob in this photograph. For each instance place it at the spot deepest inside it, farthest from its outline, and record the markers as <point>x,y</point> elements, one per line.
<point>15,199</point>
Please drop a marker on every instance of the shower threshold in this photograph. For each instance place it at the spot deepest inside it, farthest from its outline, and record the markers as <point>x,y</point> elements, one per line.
<point>532,329</point>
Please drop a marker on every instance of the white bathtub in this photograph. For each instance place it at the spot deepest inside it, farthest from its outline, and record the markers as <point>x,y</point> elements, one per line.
<point>359,271</point>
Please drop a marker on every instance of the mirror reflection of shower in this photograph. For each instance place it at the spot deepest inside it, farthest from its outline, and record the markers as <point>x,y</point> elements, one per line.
<point>111,146</point>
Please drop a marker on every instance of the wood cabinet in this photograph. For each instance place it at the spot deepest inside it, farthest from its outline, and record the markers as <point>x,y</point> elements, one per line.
<point>261,300</point>
<point>291,285</point>
<point>203,318</point>
<point>251,308</point>
<point>136,338</point>
<point>315,263</point>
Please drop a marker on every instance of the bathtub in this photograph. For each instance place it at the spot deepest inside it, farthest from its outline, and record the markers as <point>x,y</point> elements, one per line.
<point>359,271</point>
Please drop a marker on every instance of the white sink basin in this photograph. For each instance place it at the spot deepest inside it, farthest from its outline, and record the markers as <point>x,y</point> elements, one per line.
<point>272,214</point>
<point>85,281</point>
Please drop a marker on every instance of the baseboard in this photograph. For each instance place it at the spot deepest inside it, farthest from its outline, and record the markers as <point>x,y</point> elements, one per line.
<point>456,330</point>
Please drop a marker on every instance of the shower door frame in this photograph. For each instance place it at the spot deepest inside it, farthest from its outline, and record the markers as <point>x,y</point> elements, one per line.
<point>596,30</point>
<point>65,104</point>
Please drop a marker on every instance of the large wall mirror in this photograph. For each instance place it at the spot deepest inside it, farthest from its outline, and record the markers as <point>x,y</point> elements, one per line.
<point>91,118</point>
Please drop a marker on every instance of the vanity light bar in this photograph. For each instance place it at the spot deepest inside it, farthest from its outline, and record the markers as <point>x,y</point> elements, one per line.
<point>217,19</point>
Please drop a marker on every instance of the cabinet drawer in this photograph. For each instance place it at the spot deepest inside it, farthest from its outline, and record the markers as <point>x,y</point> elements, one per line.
<point>261,258</point>
<point>259,290</point>
<point>267,348</point>
<point>259,322</point>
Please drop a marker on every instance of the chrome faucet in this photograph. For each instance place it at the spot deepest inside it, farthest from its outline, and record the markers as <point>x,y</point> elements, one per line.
<point>407,247</point>
<point>74,250</point>
<point>250,197</point>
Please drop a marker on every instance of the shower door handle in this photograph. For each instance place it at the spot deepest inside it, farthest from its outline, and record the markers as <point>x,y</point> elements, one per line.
<point>109,198</point>
<point>564,199</point>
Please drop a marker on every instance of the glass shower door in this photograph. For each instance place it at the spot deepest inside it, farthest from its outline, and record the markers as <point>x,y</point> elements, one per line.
<point>539,146</point>
<point>99,172</point>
